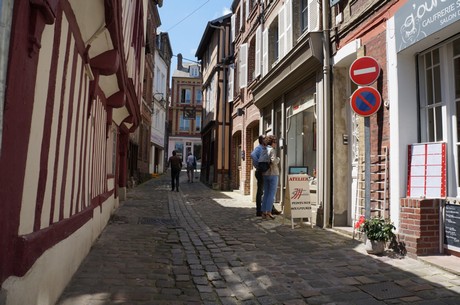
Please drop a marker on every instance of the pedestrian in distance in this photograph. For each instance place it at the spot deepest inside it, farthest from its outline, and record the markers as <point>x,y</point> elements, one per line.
<point>175,163</point>
<point>270,177</point>
<point>191,166</point>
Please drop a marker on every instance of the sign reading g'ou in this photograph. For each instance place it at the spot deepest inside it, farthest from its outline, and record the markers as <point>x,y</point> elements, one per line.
<point>299,196</point>
<point>418,19</point>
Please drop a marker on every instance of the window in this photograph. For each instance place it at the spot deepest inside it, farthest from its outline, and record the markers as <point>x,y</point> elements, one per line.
<point>301,137</point>
<point>439,72</point>
<point>199,96</point>
<point>184,124</point>
<point>304,15</point>
<point>186,96</point>
<point>198,122</point>
<point>194,71</point>
<point>210,95</point>
<point>432,106</point>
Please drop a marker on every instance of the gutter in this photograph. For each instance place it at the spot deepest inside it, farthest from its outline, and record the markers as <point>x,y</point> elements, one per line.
<point>326,156</point>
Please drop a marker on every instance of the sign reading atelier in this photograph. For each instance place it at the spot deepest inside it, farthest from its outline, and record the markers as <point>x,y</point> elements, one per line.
<point>299,194</point>
<point>365,101</point>
<point>364,71</point>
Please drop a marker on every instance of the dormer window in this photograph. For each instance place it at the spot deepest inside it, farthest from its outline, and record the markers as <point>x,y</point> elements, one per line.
<point>194,71</point>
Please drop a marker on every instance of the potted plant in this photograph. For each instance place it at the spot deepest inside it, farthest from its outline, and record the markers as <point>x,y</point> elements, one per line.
<point>378,232</point>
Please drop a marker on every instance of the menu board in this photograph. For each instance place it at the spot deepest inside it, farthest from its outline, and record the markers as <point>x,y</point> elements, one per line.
<point>452,225</point>
<point>426,173</point>
<point>299,197</point>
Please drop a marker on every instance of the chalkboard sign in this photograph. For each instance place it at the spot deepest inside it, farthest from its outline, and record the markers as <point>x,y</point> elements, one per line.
<point>452,226</point>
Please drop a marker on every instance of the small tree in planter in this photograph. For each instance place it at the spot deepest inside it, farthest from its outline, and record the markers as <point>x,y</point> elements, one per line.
<point>378,232</point>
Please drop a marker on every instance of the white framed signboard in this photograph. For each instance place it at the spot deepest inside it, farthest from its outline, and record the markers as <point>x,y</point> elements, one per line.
<point>299,196</point>
<point>426,172</point>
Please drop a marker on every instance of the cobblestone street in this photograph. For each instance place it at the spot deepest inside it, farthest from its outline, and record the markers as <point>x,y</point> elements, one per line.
<point>200,246</point>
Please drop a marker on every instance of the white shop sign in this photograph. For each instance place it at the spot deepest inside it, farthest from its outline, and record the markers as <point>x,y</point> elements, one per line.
<point>299,196</point>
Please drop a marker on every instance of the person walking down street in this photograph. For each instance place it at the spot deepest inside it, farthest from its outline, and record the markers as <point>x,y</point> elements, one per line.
<point>191,166</point>
<point>255,154</point>
<point>270,177</point>
<point>175,163</point>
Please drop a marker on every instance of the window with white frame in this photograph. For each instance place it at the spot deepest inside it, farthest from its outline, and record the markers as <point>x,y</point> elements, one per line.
<point>304,15</point>
<point>198,122</point>
<point>199,96</point>
<point>184,124</point>
<point>273,42</point>
<point>186,96</point>
<point>194,71</point>
<point>439,72</point>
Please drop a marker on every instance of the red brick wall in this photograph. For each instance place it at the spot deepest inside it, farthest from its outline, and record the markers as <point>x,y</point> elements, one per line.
<point>379,125</point>
<point>419,226</point>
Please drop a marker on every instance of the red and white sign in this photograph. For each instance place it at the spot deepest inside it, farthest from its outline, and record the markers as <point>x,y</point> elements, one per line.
<point>366,101</point>
<point>364,71</point>
<point>426,177</point>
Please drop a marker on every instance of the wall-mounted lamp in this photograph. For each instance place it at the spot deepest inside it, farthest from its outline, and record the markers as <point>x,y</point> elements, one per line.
<point>239,111</point>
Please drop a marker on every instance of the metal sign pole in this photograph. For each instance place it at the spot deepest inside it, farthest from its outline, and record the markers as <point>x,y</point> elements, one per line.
<point>367,167</point>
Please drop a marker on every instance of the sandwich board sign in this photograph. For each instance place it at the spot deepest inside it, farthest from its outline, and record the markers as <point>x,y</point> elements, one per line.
<point>299,196</point>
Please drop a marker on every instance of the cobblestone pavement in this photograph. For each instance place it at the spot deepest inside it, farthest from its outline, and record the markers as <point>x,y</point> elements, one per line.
<point>200,246</point>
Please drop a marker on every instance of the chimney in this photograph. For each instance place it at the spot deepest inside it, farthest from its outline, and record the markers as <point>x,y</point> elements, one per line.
<point>179,62</point>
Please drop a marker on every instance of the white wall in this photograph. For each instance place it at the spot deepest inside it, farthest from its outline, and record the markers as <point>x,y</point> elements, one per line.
<point>402,99</point>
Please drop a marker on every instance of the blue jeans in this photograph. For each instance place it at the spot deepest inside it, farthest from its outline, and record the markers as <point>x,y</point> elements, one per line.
<point>270,186</point>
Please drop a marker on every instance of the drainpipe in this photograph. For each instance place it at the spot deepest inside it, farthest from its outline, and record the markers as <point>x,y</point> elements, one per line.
<point>326,170</point>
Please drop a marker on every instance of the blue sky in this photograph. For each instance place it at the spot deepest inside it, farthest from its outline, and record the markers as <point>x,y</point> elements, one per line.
<point>185,21</point>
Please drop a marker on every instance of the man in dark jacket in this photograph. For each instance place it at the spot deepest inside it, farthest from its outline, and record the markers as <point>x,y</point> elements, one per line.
<point>255,154</point>
<point>175,163</point>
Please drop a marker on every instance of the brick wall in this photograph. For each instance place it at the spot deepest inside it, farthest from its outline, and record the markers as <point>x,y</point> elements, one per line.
<point>419,226</point>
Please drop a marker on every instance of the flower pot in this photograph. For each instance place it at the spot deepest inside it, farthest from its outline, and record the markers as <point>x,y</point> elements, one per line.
<point>374,246</point>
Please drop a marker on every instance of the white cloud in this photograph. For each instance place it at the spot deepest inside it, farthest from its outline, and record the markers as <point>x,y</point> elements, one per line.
<point>226,11</point>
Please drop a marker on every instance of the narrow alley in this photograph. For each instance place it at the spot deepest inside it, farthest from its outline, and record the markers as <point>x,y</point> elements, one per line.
<point>200,246</point>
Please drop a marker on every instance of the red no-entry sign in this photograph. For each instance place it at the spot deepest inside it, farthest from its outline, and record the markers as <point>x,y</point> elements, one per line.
<point>365,101</point>
<point>364,71</point>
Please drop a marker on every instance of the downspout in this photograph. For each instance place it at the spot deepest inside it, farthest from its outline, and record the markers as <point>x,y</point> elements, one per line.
<point>326,170</point>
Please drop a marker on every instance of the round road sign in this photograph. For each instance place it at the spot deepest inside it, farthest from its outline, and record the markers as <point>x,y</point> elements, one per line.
<point>365,101</point>
<point>364,71</point>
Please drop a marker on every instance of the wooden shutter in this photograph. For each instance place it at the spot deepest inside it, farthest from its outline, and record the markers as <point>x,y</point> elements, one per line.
<point>265,52</point>
<point>288,26</point>
<point>232,22</point>
<point>243,68</point>
<point>258,51</point>
<point>281,32</point>
<point>231,77</point>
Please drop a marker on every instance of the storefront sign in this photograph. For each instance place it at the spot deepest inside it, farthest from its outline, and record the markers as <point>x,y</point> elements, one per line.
<point>299,196</point>
<point>418,19</point>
